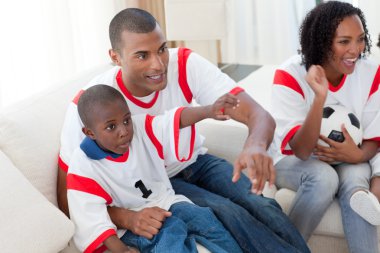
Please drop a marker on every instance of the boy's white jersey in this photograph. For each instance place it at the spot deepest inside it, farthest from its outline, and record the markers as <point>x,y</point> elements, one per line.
<point>135,180</point>
<point>189,77</point>
<point>292,98</point>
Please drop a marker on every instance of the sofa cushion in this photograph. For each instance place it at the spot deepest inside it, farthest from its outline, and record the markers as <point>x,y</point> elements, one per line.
<point>30,132</point>
<point>29,222</point>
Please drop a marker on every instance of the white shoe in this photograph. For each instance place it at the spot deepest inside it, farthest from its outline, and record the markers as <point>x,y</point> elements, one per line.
<point>367,206</point>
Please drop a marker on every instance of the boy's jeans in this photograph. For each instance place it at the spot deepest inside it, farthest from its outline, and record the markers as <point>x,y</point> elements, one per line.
<point>188,224</point>
<point>257,223</point>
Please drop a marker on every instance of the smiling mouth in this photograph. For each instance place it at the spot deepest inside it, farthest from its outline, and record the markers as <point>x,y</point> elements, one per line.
<point>350,62</point>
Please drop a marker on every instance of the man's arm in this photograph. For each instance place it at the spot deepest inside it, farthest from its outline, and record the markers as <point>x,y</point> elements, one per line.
<point>254,156</point>
<point>62,191</point>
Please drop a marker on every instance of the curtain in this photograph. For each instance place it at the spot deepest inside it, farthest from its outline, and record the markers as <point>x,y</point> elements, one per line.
<point>263,32</point>
<point>44,42</point>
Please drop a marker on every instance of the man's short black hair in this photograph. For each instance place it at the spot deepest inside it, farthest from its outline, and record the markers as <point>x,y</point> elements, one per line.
<point>318,30</point>
<point>100,94</point>
<point>133,20</point>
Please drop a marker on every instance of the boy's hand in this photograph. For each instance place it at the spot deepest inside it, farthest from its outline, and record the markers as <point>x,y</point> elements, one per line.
<point>226,101</point>
<point>148,221</point>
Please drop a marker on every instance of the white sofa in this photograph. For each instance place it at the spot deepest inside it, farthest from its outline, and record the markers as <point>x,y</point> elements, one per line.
<point>29,143</point>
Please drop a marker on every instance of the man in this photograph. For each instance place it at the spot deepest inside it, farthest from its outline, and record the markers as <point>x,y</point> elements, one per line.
<point>154,79</point>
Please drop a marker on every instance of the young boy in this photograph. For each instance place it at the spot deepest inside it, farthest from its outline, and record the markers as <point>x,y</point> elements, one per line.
<point>121,162</point>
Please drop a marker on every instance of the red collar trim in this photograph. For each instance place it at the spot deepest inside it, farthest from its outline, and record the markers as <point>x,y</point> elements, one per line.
<point>336,88</point>
<point>133,99</point>
<point>120,159</point>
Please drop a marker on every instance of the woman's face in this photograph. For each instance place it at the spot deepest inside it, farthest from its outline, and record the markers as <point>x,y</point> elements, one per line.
<point>348,43</point>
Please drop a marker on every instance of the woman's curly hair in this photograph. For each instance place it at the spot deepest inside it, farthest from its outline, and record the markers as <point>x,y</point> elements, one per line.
<point>318,30</point>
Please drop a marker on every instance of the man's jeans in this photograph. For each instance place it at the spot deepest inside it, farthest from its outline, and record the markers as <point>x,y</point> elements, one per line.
<point>257,223</point>
<point>317,184</point>
<point>188,224</point>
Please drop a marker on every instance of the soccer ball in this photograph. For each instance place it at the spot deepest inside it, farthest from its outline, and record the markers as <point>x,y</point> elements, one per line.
<point>333,118</point>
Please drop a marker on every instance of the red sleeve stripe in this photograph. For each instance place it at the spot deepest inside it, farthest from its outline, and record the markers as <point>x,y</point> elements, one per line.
<point>152,137</point>
<point>374,139</point>
<point>92,248</point>
<point>62,165</point>
<point>177,118</point>
<point>236,90</point>
<point>76,98</point>
<point>183,55</point>
<point>282,77</point>
<point>375,83</point>
<point>85,184</point>
<point>287,139</point>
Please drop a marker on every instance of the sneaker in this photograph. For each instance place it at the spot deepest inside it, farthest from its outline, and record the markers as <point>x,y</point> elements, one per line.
<point>367,206</point>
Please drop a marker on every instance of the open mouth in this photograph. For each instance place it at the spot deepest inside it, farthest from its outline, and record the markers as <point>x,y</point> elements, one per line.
<point>350,62</point>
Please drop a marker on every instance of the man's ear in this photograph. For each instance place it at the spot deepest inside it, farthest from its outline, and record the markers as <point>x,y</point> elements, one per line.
<point>115,57</point>
<point>88,132</point>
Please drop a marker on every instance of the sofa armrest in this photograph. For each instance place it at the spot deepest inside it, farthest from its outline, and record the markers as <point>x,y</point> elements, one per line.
<point>29,222</point>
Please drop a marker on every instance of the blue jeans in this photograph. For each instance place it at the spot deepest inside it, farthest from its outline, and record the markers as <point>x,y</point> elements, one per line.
<point>317,184</point>
<point>257,223</point>
<point>188,224</point>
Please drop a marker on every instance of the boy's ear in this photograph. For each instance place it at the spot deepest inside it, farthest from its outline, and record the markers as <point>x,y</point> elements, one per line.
<point>115,57</point>
<point>88,132</point>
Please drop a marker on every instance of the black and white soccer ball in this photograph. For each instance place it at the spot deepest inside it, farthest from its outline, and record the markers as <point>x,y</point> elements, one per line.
<point>333,118</point>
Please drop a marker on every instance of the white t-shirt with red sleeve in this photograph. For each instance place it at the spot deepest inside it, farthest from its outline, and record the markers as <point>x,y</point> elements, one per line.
<point>189,77</point>
<point>292,98</point>
<point>135,180</point>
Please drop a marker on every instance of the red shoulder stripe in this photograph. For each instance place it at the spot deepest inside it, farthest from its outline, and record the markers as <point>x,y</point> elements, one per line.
<point>282,77</point>
<point>152,137</point>
<point>375,83</point>
<point>85,184</point>
<point>76,98</point>
<point>183,55</point>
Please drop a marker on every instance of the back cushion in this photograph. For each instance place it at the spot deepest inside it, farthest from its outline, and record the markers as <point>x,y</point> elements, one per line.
<point>30,132</point>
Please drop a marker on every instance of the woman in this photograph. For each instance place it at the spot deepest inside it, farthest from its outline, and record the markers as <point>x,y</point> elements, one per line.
<point>332,69</point>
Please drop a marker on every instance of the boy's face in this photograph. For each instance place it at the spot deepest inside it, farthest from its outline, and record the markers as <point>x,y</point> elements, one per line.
<point>111,126</point>
<point>143,58</point>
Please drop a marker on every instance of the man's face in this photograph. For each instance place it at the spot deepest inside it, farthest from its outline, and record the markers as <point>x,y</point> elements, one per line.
<point>111,126</point>
<point>144,59</point>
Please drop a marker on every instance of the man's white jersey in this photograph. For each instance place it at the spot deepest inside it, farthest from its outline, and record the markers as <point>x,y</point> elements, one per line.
<point>292,98</point>
<point>189,77</point>
<point>135,180</point>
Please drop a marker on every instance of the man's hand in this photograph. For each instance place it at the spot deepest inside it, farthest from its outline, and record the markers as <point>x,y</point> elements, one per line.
<point>260,168</point>
<point>346,151</point>
<point>147,222</point>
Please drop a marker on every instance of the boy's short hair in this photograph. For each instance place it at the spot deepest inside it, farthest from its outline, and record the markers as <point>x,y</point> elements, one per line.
<point>133,20</point>
<point>99,94</point>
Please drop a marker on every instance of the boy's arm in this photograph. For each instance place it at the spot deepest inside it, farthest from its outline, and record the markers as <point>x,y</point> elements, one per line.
<point>115,245</point>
